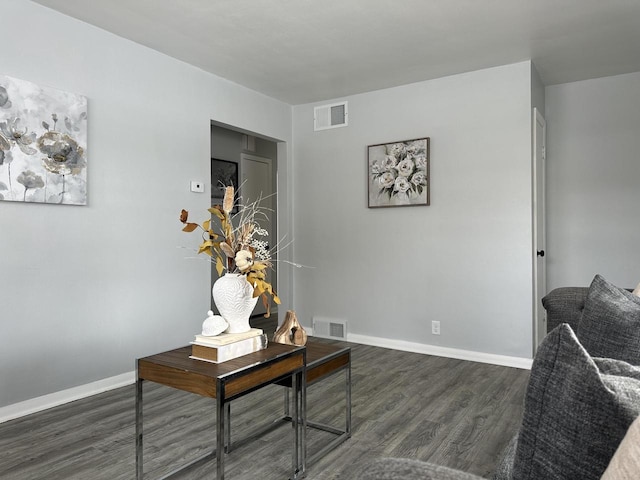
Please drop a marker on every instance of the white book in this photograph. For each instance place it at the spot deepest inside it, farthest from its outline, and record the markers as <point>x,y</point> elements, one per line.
<point>223,353</point>
<point>226,338</point>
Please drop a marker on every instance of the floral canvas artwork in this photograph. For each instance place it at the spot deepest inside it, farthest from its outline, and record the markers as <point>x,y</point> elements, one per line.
<point>399,173</point>
<point>43,144</point>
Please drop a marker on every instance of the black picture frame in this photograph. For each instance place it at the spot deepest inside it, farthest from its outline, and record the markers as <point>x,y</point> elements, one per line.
<point>223,174</point>
<point>399,173</point>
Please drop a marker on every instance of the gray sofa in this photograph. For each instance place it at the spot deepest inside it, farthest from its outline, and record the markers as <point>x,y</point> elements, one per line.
<point>565,305</point>
<point>583,393</point>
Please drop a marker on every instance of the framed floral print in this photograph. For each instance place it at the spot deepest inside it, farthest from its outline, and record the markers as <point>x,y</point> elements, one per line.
<point>398,173</point>
<point>43,144</point>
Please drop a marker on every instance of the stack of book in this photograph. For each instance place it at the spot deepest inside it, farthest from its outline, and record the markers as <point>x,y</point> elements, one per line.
<point>227,346</point>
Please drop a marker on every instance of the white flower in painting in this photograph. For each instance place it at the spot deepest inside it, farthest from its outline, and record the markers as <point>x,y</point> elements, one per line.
<point>397,150</point>
<point>375,168</point>
<point>386,180</point>
<point>29,179</point>
<point>401,185</point>
<point>11,132</point>
<point>389,162</point>
<point>63,154</point>
<point>419,179</point>
<point>405,167</point>
<point>421,162</point>
<point>416,147</point>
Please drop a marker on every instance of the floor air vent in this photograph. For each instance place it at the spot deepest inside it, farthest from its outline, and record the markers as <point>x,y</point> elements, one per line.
<point>330,328</point>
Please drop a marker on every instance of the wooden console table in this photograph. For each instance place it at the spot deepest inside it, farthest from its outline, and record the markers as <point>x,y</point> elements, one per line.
<point>225,382</point>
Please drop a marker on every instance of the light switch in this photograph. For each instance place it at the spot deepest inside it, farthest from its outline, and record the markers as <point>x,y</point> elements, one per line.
<point>197,187</point>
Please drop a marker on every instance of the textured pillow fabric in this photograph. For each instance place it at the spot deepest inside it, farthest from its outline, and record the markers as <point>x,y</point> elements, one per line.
<point>610,323</point>
<point>577,410</point>
<point>504,470</point>
<point>625,464</point>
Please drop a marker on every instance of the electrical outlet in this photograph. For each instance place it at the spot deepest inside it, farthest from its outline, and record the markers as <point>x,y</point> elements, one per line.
<point>435,327</point>
<point>197,187</point>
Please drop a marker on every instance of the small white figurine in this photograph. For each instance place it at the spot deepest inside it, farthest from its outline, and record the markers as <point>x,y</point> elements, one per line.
<point>213,325</point>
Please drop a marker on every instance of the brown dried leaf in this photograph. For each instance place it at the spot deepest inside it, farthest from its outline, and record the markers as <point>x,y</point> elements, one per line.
<point>217,211</point>
<point>190,227</point>
<point>219,266</point>
<point>184,215</point>
<point>205,247</point>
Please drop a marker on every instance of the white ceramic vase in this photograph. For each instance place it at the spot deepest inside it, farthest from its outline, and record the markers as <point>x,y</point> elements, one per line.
<point>233,296</point>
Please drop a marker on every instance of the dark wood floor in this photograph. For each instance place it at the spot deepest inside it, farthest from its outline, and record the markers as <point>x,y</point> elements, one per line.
<point>451,412</point>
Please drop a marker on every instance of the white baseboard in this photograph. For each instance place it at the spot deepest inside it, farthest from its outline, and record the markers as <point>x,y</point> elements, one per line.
<point>503,360</point>
<point>38,404</point>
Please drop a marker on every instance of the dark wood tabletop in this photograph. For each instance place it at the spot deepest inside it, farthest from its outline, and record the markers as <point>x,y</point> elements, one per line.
<point>175,369</point>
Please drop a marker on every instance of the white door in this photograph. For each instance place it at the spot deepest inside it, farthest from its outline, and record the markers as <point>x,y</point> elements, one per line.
<point>256,182</point>
<point>539,243</point>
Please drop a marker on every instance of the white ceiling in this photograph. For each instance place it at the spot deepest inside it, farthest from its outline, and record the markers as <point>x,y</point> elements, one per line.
<point>301,51</point>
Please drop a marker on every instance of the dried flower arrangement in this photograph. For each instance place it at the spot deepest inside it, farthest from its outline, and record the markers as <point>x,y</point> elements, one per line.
<point>245,253</point>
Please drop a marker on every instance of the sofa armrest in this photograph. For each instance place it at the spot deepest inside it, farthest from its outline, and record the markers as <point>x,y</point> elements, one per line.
<point>407,469</point>
<point>564,305</point>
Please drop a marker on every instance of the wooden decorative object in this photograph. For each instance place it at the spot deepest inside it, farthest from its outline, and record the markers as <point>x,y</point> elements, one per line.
<point>290,332</point>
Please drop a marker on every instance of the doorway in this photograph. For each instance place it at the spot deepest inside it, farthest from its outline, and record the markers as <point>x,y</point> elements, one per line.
<point>256,161</point>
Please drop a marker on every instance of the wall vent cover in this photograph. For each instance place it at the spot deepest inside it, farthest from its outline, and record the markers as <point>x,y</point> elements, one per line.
<point>330,116</point>
<point>330,328</point>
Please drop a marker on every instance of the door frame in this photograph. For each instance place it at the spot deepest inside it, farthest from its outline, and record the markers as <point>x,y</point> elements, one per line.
<point>539,128</point>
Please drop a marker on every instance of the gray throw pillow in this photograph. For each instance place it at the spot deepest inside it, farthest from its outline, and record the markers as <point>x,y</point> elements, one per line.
<point>577,410</point>
<point>610,323</point>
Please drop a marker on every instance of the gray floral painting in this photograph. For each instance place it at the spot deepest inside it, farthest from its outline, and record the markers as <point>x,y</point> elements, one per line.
<point>399,173</point>
<point>43,144</point>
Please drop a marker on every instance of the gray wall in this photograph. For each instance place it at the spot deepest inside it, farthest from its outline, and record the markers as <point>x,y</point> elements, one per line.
<point>466,259</point>
<point>593,180</point>
<point>86,290</point>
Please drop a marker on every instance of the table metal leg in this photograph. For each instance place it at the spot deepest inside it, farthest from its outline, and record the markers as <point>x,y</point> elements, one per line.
<point>220,419</point>
<point>227,444</point>
<point>286,402</point>
<point>295,461</point>
<point>348,399</point>
<point>303,416</point>
<point>139,464</point>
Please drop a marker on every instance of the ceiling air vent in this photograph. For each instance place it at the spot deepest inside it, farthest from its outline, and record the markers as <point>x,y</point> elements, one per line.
<point>330,116</point>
